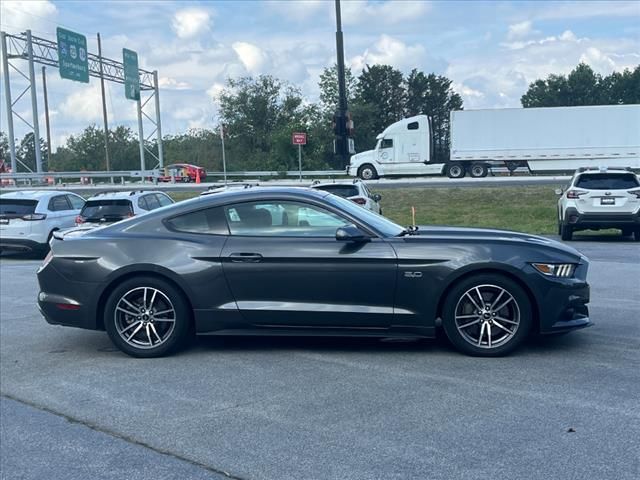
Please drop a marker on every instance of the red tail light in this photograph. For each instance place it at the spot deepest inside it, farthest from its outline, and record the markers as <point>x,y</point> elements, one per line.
<point>574,194</point>
<point>79,220</point>
<point>34,216</point>
<point>635,192</point>
<point>359,200</point>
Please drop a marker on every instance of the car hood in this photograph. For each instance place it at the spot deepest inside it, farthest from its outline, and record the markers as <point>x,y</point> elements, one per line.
<point>480,234</point>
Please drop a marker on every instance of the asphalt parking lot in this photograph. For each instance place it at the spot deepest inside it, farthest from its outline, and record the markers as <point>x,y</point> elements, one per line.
<point>73,407</point>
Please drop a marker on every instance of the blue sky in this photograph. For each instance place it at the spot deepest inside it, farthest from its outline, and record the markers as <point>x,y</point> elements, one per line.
<point>491,50</point>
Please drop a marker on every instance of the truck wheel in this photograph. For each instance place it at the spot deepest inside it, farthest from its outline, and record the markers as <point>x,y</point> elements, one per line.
<point>456,170</point>
<point>566,232</point>
<point>479,170</point>
<point>367,172</point>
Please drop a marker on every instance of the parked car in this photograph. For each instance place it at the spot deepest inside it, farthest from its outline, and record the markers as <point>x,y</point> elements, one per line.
<point>224,264</point>
<point>599,199</point>
<point>110,207</point>
<point>183,172</point>
<point>28,218</point>
<point>356,191</point>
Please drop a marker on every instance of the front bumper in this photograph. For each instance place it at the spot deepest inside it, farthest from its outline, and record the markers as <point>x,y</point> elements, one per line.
<point>597,221</point>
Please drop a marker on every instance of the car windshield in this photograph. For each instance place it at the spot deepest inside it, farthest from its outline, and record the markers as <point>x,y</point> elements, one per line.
<point>96,209</point>
<point>16,208</point>
<point>383,225</point>
<point>344,191</point>
<point>607,181</point>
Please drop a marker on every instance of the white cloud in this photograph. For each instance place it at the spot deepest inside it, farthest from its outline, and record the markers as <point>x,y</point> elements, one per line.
<point>391,51</point>
<point>519,30</point>
<point>361,12</point>
<point>172,84</point>
<point>191,22</point>
<point>37,15</point>
<point>300,10</point>
<point>252,57</point>
<point>591,9</point>
<point>597,60</point>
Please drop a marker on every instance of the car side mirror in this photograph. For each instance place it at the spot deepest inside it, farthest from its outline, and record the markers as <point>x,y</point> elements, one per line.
<point>351,233</point>
<point>559,191</point>
<point>377,197</point>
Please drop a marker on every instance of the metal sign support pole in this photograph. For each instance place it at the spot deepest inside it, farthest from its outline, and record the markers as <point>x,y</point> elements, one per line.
<point>140,137</point>
<point>300,160</point>
<point>47,120</point>
<point>104,108</point>
<point>7,98</point>
<point>224,160</point>
<point>34,104</point>
<point>158,125</point>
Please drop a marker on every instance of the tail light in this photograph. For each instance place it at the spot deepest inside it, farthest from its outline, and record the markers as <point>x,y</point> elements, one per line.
<point>79,220</point>
<point>34,216</point>
<point>635,192</point>
<point>359,200</point>
<point>574,194</point>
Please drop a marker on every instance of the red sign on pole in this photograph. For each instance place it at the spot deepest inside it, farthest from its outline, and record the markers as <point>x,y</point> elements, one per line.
<point>299,138</point>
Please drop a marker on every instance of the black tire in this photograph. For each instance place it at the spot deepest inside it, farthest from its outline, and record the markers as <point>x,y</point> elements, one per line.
<point>566,232</point>
<point>367,172</point>
<point>456,170</point>
<point>636,235</point>
<point>559,228</point>
<point>518,308</point>
<point>479,170</point>
<point>172,335</point>
<point>627,232</point>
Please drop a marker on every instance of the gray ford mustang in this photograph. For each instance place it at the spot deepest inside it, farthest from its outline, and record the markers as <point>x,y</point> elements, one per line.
<point>296,261</point>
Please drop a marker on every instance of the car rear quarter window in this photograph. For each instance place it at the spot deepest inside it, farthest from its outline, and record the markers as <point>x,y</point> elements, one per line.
<point>152,202</point>
<point>59,203</point>
<point>14,208</point>
<point>107,208</point>
<point>163,199</point>
<point>607,181</point>
<point>207,221</point>
<point>76,202</point>
<point>344,191</point>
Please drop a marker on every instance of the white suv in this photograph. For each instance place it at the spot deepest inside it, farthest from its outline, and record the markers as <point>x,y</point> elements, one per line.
<point>110,207</point>
<point>599,199</point>
<point>28,218</point>
<point>355,191</point>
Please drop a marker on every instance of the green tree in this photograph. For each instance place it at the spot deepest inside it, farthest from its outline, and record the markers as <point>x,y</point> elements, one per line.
<point>5,154</point>
<point>328,85</point>
<point>433,95</point>
<point>26,152</point>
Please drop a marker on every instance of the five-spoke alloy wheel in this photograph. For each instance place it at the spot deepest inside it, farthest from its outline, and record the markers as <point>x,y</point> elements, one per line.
<point>487,315</point>
<point>146,317</point>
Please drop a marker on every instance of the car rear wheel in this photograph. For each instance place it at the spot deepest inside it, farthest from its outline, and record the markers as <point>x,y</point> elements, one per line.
<point>147,317</point>
<point>367,172</point>
<point>636,235</point>
<point>566,232</point>
<point>487,315</point>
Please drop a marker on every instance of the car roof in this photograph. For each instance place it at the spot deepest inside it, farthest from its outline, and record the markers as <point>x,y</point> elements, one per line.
<point>34,194</point>
<point>122,195</point>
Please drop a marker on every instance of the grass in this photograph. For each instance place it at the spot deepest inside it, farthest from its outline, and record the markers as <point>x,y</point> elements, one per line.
<point>530,209</point>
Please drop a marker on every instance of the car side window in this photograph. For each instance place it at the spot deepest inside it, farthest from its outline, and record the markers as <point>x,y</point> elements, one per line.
<point>59,203</point>
<point>208,221</point>
<point>76,202</point>
<point>163,199</point>
<point>152,201</point>
<point>386,143</point>
<point>282,219</point>
<point>142,203</point>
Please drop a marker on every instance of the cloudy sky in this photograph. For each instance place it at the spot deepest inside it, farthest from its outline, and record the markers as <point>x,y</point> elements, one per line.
<point>491,50</point>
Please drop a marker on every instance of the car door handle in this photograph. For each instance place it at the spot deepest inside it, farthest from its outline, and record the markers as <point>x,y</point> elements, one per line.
<point>245,257</point>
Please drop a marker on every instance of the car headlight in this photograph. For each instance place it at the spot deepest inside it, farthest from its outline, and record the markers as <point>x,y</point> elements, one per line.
<point>558,270</point>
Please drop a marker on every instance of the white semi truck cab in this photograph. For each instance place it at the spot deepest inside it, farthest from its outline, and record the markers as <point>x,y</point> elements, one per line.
<point>404,148</point>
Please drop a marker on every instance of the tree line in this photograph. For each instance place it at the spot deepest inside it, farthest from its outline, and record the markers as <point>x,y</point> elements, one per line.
<point>259,114</point>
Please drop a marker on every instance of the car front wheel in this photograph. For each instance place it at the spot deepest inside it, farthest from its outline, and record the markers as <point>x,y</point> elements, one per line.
<point>147,317</point>
<point>566,232</point>
<point>487,315</point>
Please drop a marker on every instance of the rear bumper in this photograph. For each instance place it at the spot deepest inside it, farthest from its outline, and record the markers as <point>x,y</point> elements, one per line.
<point>597,221</point>
<point>19,245</point>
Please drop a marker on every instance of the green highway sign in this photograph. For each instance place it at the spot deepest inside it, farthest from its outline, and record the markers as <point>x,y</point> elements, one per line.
<point>72,55</point>
<point>131,75</point>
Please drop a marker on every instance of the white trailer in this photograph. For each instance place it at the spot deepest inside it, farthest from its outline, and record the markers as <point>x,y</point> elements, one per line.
<point>558,139</point>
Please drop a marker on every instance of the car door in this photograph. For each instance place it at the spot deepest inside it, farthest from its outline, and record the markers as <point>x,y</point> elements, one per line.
<point>285,268</point>
<point>62,213</point>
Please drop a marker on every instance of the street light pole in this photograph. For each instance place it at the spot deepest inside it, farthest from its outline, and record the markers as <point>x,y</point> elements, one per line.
<point>342,146</point>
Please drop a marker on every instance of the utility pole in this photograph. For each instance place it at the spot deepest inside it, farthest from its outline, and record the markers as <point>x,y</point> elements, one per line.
<point>46,117</point>
<point>341,118</point>
<point>34,104</point>
<point>224,160</point>
<point>8,102</point>
<point>104,109</point>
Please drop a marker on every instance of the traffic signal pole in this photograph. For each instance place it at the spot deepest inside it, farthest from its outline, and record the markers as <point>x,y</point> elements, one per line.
<point>342,146</point>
